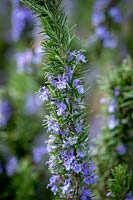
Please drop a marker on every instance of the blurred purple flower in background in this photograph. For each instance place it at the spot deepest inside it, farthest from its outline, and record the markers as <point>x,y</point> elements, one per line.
<point>38,152</point>
<point>112,106</point>
<point>129,196</point>
<point>23,60</point>
<point>103,100</point>
<point>114,13</point>
<point>18,19</point>
<point>5,112</point>
<point>112,122</point>
<point>110,42</point>
<point>116,91</point>
<point>11,166</point>
<point>101,12</point>
<point>109,194</point>
<point>121,149</point>
<point>98,18</point>
<point>32,104</point>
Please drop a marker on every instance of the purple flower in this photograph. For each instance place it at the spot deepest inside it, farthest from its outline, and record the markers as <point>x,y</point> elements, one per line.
<point>23,60</point>
<point>43,94</point>
<point>54,189</point>
<point>80,153</point>
<point>53,180</point>
<point>86,170</point>
<point>5,112</point>
<point>11,166</point>
<point>79,87</point>
<point>19,18</point>
<point>103,100</point>
<point>69,73</point>
<point>66,186</point>
<point>102,32</point>
<point>90,179</point>
<point>38,153</point>
<point>121,149</point>
<point>32,104</point>
<point>76,167</point>
<point>68,157</point>
<point>86,194</point>
<point>112,106</point>
<point>109,194</point>
<point>110,42</point>
<point>51,79</point>
<point>98,18</point>
<point>80,57</point>
<point>61,108</point>
<point>53,125</point>
<point>129,196</point>
<point>72,54</point>
<point>61,83</point>
<point>114,13</point>
<point>79,126</point>
<point>116,91</point>
<point>92,167</point>
<point>112,122</point>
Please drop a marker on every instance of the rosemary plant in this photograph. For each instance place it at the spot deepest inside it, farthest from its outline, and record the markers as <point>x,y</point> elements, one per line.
<point>71,169</point>
<point>114,144</point>
<point>120,184</point>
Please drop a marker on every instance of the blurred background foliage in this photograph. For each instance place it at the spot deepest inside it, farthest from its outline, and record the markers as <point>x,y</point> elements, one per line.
<point>104,30</point>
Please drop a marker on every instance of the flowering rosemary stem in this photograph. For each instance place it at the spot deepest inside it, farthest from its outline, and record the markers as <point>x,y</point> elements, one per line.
<point>63,92</point>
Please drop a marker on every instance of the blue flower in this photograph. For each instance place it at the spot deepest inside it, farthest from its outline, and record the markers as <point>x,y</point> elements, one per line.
<point>51,79</point>
<point>112,122</point>
<point>66,186</point>
<point>116,91</point>
<point>80,57</point>
<point>109,194</point>
<point>102,32</point>
<point>61,83</point>
<point>121,149</point>
<point>38,153</point>
<point>86,194</point>
<point>54,189</point>
<point>5,112</point>
<point>114,13</point>
<point>11,166</point>
<point>129,196</point>
<point>71,56</point>
<point>98,18</point>
<point>112,106</point>
<point>61,108</point>
<point>80,153</point>
<point>69,73</point>
<point>79,126</point>
<point>43,94</point>
<point>79,87</point>
<point>53,125</point>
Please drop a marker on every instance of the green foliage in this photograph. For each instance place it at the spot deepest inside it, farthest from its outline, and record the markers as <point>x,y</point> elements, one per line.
<point>120,183</point>
<point>120,79</point>
<point>24,181</point>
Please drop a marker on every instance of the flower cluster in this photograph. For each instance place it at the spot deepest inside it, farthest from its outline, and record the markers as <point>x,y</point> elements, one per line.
<point>103,11</point>
<point>72,173</point>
